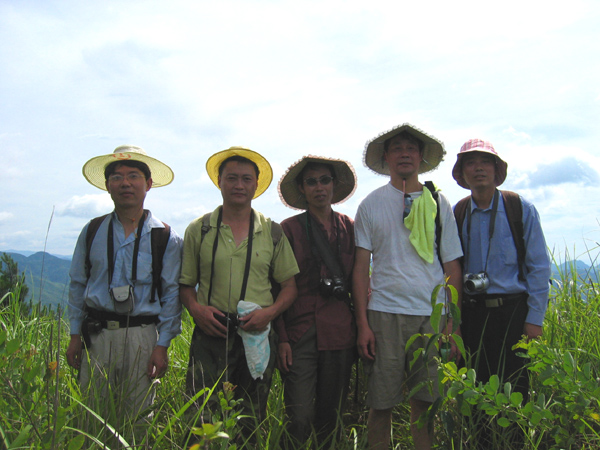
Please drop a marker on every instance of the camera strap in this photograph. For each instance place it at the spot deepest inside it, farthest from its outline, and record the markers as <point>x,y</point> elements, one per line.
<point>248,255</point>
<point>320,244</point>
<point>136,247</point>
<point>492,226</point>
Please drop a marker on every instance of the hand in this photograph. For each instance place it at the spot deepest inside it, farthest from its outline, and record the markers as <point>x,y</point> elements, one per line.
<point>74,351</point>
<point>256,320</point>
<point>159,362</point>
<point>284,357</point>
<point>204,317</point>
<point>366,343</point>
<point>532,331</point>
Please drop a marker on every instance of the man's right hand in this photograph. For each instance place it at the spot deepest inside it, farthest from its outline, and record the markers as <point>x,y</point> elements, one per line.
<point>204,317</point>
<point>74,351</point>
<point>366,343</point>
<point>284,359</point>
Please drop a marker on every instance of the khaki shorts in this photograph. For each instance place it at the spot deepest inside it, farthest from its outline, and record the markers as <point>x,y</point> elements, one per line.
<point>390,374</point>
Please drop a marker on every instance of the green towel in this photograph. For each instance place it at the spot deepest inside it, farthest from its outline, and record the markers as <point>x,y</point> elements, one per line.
<point>421,223</point>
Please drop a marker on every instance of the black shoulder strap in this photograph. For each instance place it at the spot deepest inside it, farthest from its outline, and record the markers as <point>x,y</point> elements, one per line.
<point>89,238</point>
<point>514,214</point>
<point>159,238</point>
<point>438,224</point>
<point>205,227</point>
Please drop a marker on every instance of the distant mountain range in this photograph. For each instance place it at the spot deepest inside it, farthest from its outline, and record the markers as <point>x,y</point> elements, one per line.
<point>54,286</point>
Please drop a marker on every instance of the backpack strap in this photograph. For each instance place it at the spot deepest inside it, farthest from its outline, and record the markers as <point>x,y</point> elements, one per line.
<point>159,238</point>
<point>514,214</point>
<point>438,225</point>
<point>460,212</point>
<point>89,238</point>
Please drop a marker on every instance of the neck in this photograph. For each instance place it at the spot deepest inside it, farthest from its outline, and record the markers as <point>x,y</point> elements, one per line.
<point>129,218</point>
<point>236,215</point>
<point>324,215</point>
<point>483,198</point>
<point>410,184</point>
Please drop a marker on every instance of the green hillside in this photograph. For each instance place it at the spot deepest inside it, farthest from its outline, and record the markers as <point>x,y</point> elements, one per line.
<point>53,290</point>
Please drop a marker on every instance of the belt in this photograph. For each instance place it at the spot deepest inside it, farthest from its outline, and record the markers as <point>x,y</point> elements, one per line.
<point>494,300</point>
<point>113,321</point>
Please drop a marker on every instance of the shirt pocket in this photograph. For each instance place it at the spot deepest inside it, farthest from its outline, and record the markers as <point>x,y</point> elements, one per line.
<point>506,251</point>
<point>144,268</point>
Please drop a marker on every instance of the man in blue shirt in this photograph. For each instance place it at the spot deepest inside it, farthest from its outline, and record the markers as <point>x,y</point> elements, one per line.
<point>501,301</point>
<point>126,325</point>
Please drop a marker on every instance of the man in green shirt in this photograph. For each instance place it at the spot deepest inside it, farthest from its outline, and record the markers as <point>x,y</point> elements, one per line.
<point>232,257</point>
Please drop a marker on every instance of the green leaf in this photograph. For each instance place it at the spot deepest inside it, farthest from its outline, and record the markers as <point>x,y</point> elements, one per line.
<point>77,442</point>
<point>503,422</point>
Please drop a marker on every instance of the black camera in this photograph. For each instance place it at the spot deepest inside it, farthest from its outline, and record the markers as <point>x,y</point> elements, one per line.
<point>334,287</point>
<point>230,321</point>
<point>476,282</point>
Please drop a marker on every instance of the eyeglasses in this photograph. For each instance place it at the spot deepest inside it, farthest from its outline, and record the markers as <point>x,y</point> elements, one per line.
<point>324,180</point>
<point>408,201</point>
<point>131,177</point>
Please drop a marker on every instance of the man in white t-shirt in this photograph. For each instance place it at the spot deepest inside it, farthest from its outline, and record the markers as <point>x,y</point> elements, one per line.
<point>396,226</point>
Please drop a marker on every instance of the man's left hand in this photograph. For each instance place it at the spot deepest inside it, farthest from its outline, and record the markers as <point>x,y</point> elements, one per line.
<point>256,320</point>
<point>159,362</point>
<point>532,331</point>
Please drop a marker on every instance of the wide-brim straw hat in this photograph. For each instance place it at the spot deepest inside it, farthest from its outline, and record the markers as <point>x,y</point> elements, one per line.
<point>433,151</point>
<point>93,170</point>
<point>343,187</point>
<point>479,145</point>
<point>265,175</point>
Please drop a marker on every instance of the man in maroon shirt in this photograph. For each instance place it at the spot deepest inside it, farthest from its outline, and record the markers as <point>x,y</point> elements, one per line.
<point>317,335</point>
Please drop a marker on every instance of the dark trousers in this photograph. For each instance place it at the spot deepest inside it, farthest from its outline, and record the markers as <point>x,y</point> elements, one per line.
<point>489,335</point>
<point>210,357</point>
<point>316,387</point>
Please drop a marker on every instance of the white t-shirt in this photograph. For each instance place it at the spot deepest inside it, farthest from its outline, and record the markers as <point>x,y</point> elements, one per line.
<point>401,281</point>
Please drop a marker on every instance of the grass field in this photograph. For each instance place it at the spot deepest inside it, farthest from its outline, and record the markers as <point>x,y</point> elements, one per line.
<point>41,406</point>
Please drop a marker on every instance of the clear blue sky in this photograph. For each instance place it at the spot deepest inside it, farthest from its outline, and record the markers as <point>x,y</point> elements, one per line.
<point>184,79</point>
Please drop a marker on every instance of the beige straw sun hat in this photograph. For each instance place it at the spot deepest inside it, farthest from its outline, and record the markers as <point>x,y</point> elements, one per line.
<point>433,151</point>
<point>93,170</point>
<point>343,188</point>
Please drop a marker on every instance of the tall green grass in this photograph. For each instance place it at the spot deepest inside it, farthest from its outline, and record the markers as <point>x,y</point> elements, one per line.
<point>42,407</point>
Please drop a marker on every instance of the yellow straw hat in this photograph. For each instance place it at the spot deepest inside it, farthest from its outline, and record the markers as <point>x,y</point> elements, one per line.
<point>93,170</point>
<point>264,168</point>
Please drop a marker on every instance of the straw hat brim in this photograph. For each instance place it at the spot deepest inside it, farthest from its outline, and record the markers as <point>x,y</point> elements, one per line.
<point>433,152</point>
<point>500,173</point>
<point>343,188</point>
<point>265,175</point>
<point>93,170</point>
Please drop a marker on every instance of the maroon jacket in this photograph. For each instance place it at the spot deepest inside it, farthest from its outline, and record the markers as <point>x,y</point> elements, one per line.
<point>334,320</point>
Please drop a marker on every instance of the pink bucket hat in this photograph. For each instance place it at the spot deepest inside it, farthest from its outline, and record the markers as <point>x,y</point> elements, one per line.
<point>478,145</point>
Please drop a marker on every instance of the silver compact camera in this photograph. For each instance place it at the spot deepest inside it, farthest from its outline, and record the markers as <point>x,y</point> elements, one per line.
<point>476,282</point>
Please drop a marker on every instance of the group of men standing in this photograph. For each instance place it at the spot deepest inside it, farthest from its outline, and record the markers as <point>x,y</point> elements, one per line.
<point>307,294</point>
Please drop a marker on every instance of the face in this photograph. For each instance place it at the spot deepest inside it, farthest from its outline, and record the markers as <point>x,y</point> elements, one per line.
<point>403,158</point>
<point>319,195</point>
<point>127,187</point>
<point>238,183</point>
<point>479,170</point>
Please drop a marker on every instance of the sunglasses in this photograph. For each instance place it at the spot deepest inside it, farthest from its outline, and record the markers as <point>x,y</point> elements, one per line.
<point>324,180</point>
<point>408,201</point>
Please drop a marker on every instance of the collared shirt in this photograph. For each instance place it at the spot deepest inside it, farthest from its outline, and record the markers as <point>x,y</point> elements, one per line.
<point>333,318</point>
<point>502,265</point>
<point>95,291</point>
<point>401,281</point>
<point>230,262</point>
